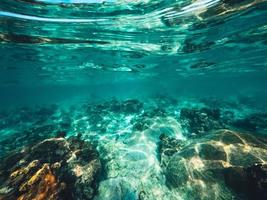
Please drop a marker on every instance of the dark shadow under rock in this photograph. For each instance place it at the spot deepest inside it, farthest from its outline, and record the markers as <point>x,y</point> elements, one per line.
<point>253,122</point>
<point>53,169</point>
<point>115,189</point>
<point>250,181</point>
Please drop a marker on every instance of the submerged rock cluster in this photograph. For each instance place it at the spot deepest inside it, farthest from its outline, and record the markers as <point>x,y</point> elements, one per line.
<point>202,120</point>
<point>250,182</point>
<point>205,119</point>
<point>161,149</point>
<point>55,168</point>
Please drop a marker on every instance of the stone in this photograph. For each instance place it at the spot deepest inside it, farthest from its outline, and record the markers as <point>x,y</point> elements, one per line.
<point>250,182</point>
<point>215,167</point>
<point>212,152</point>
<point>177,173</point>
<point>53,169</point>
<point>231,138</point>
<point>167,146</point>
<point>236,178</point>
<point>42,185</point>
<point>201,120</point>
<point>257,181</point>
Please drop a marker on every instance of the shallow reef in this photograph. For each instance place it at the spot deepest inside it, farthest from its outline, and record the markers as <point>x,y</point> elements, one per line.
<point>161,148</point>
<point>55,168</point>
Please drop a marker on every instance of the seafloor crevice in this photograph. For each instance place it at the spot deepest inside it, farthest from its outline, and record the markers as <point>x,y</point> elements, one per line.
<point>161,148</point>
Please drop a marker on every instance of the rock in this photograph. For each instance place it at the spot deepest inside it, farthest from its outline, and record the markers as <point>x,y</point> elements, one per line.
<point>53,169</point>
<point>257,181</point>
<point>199,168</point>
<point>201,120</point>
<point>230,138</point>
<point>248,181</point>
<point>146,120</point>
<point>142,124</point>
<point>236,178</point>
<point>42,185</point>
<point>212,152</point>
<point>177,173</point>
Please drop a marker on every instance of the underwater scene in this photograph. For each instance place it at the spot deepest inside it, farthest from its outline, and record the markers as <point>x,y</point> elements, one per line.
<point>133,100</point>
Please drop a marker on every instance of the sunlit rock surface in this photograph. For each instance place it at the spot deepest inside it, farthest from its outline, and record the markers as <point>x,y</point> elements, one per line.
<point>204,168</point>
<point>53,169</point>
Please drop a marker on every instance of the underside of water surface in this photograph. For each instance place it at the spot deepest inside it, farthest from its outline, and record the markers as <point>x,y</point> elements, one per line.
<point>133,99</point>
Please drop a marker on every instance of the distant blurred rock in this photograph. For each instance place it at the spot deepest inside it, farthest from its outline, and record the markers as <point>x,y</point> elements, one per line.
<point>250,181</point>
<point>201,120</point>
<point>131,106</point>
<point>253,122</point>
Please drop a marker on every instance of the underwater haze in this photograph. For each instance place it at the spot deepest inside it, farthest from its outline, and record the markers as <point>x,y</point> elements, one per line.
<point>133,99</point>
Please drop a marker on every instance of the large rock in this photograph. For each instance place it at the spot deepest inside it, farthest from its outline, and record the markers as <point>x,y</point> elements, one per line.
<point>197,169</point>
<point>53,169</point>
<point>248,181</point>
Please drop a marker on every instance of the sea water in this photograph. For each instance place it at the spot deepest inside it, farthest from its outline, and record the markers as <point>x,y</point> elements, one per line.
<point>127,76</point>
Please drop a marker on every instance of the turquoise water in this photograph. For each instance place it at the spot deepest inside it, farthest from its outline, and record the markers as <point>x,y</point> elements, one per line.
<point>144,99</point>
